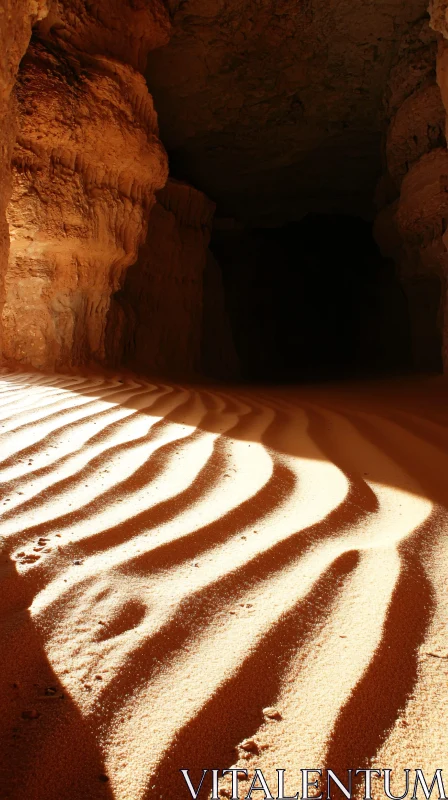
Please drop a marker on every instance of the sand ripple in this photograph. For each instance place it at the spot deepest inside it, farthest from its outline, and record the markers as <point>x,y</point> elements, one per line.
<point>176,559</point>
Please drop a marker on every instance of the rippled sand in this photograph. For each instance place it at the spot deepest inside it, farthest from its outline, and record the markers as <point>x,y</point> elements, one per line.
<point>177,559</point>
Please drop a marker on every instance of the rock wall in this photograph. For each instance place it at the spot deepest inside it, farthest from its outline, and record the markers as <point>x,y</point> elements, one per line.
<point>274,107</point>
<point>439,21</point>
<point>412,194</point>
<point>81,134</point>
<point>161,319</point>
<point>219,358</point>
<point>86,166</point>
<point>16,19</point>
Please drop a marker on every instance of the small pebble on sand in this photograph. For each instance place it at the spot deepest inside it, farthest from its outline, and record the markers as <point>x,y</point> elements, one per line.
<point>272,713</point>
<point>250,745</point>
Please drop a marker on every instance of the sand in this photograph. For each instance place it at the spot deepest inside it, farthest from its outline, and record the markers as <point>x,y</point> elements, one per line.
<point>175,560</point>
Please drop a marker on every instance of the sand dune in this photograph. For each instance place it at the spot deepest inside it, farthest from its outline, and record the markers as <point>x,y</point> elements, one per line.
<point>176,559</point>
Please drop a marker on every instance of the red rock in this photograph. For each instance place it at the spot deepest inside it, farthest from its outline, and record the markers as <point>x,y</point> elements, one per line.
<point>86,166</point>
<point>16,19</point>
<point>411,229</point>
<point>157,324</point>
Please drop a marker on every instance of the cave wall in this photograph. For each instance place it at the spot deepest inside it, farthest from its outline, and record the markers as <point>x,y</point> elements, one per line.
<point>412,194</point>
<point>85,168</point>
<point>274,108</point>
<point>169,317</point>
<point>16,20</point>
<point>439,19</point>
<point>81,162</point>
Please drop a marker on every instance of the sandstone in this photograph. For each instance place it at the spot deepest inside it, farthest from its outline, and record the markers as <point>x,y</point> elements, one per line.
<point>439,16</point>
<point>86,166</point>
<point>423,201</point>
<point>16,19</point>
<point>272,110</point>
<point>157,324</point>
<point>414,65</point>
<point>422,113</point>
<point>410,227</point>
<point>275,109</point>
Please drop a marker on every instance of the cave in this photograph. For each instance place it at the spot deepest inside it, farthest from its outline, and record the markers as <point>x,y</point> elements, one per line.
<point>315,299</point>
<point>223,398</point>
<point>230,191</point>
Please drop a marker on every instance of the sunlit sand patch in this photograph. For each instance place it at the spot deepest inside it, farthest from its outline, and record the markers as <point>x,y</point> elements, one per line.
<point>73,435</point>
<point>223,648</point>
<point>125,462</point>
<point>249,467</point>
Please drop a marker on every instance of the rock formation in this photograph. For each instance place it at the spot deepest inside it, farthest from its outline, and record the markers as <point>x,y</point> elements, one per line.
<point>439,19</point>
<point>411,226</point>
<point>172,299</point>
<point>406,227</point>
<point>16,19</point>
<point>86,167</point>
<point>274,108</point>
<point>280,109</point>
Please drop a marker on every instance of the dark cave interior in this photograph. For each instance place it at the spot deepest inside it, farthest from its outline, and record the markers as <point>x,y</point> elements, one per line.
<point>257,192</point>
<point>309,128</point>
<point>316,300</point>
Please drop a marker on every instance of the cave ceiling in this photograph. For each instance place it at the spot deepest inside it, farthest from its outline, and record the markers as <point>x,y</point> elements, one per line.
<point>276,107</point>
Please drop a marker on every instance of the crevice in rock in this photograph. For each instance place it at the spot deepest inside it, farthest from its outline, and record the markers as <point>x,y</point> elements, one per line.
<point>169,316</point>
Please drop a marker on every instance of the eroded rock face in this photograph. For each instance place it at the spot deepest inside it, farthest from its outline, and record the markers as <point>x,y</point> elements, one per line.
<point>274,108</point>
<point>439,16</point>
<point>86,166</point>
<point>409,227</point>
<point>157,323</point>
<point>16,19</point>
<point>423,114</point>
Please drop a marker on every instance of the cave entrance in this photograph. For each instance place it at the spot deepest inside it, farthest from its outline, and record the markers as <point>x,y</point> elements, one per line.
<point>314,300</point>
